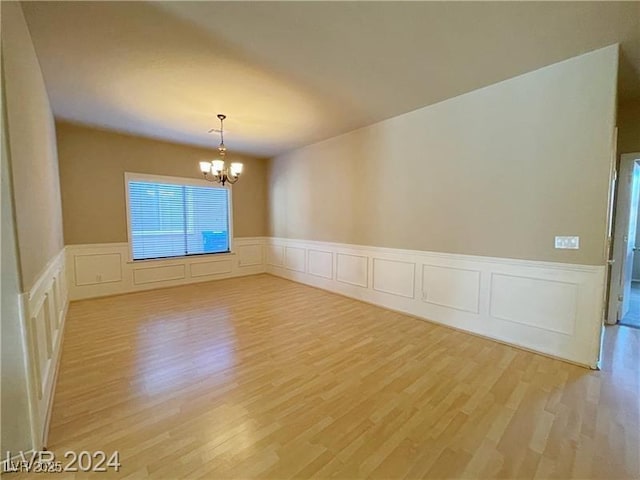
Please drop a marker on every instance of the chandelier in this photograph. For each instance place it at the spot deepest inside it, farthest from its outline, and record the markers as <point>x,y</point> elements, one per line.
<point>217,170</point>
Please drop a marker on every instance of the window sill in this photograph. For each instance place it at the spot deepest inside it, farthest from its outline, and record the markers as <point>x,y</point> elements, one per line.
<point>182,258</point>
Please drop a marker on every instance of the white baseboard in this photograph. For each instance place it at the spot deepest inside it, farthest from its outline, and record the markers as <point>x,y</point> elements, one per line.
<point>43,311</point>
<point>551,308</point>
<point>97,270</point>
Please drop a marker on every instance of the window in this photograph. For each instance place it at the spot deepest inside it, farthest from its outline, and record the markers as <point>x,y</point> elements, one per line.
<point>173,217</point>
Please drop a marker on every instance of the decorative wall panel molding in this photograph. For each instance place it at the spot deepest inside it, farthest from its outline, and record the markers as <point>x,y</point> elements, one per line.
<point>43,311</point>
<point>98,264</point>
<point>101,268</point>
<point>218,267</point>
<point>294,258</point>
<point>250,255</point>
<point>551,308</point>
<point>352,269</point>
<point>540,303</point>
<point>451,287</point>
<point>159,273</point>
<point>320,263</point>
<point>393,277</point>
<point>275,255</point>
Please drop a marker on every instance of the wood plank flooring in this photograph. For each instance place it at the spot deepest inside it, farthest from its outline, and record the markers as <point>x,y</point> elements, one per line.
<point>259,377</point>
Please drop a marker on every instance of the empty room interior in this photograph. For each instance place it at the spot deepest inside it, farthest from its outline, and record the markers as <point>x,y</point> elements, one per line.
<point>345,240</point>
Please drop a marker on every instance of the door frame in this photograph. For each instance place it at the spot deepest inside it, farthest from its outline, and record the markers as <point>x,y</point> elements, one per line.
<point>620,236</point>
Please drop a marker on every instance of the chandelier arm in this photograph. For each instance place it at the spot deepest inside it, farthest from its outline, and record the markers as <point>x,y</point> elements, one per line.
<point>235,179</point>
<point>212,179</point>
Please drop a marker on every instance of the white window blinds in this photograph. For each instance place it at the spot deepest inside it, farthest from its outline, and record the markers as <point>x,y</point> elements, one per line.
<point>170,220</point>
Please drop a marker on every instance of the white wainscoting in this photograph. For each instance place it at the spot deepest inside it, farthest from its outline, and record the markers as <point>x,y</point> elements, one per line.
<point>44,309</point>
<point>275,255</point>
<point>391,276</point>
<point>98,270</point>
<point>352,269</point>
<point>455,288</point>
<point>320,263</point>
<point>294,258</point>
<point>552,308</point>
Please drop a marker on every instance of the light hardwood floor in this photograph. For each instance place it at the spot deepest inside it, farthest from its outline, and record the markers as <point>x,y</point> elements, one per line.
<point>262,377</point>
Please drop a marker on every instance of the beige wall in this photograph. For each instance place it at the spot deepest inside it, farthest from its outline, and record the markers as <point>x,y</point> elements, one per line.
<point>496,172</point>
<point>92,167</point>
<point>629,128</point>
<point>33,149</point>
<point>15,431</point>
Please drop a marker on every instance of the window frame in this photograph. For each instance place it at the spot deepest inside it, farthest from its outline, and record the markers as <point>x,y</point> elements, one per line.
<point>182,181</point>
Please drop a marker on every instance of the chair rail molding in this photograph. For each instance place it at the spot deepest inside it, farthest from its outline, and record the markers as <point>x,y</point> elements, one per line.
<point>551,308</point>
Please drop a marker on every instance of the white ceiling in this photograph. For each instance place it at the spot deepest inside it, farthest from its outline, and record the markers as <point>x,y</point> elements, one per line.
<point>290,73</point>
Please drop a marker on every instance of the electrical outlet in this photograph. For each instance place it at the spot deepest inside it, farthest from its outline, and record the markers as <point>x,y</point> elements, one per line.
<point>572,243</point>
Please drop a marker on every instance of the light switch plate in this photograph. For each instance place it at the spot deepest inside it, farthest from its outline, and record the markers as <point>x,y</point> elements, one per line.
<point>572,243</point>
